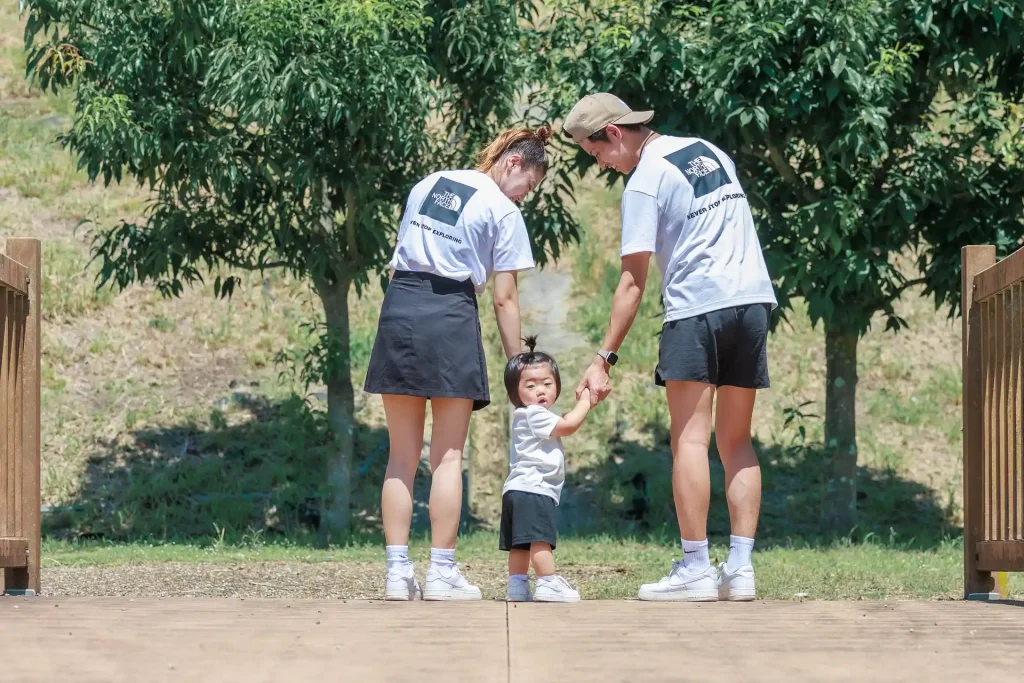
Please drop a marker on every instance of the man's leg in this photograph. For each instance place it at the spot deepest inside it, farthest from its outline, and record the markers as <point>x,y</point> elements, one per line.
<point>689,405</point>
<point>742,488</point>
<point>742,471</point>
<point>693,579</point>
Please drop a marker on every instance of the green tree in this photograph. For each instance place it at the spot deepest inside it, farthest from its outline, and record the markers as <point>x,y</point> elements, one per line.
<point>280,134</point>
<point>864,131</point>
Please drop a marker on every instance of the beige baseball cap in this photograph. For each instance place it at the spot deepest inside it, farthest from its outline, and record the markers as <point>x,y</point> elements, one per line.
<point>596,111</point>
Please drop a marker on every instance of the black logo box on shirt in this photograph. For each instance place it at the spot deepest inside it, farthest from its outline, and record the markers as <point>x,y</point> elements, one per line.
<point>446,200</point>
<point>700,167</point>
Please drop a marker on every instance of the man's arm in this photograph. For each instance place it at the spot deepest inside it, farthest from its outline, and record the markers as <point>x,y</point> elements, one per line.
<point>625,304</point>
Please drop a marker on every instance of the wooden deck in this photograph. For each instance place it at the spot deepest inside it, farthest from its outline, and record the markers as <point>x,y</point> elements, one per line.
<point>146,639</point>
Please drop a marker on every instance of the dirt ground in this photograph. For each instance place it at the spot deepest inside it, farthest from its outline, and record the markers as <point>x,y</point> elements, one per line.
<point>181,639</point>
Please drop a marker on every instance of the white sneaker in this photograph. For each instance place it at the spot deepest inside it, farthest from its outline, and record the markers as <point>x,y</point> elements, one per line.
<point>736,584</point>
<point>401,583</point>
<point>555,589</point>
<point>448,583</point>
<point>518,591</point>
<point>683,586</point>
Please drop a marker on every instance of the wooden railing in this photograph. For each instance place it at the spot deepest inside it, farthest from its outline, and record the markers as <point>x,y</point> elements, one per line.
<point>19,417</point>
<point>993,404</point>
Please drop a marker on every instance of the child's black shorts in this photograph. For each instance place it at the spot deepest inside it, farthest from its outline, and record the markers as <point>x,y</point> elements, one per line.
<point>527,518</point>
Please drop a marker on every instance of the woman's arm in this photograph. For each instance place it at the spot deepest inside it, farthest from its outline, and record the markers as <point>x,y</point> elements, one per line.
<point>573,420</point>
<point>506,311</point>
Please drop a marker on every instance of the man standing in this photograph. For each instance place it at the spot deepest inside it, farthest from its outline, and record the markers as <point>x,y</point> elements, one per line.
<point>685,205</point>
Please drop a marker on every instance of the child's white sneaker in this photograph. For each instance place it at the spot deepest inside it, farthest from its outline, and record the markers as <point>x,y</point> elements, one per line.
<point>401,583</point>
<point>736,584</point>
<point>446,582</point>
<point>554,589</point>
<point>518,591</point>
<point>683,586</point>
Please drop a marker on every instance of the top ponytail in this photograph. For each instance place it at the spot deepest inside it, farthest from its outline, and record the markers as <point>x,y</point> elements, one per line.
<point>528,358</point>
<point>528,144</point>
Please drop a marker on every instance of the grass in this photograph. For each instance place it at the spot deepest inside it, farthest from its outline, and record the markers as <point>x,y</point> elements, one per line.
<point>603,567</point>
<point>66,293</point>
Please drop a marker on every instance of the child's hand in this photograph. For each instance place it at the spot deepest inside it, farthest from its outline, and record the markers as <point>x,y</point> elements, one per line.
<point>572,420</point>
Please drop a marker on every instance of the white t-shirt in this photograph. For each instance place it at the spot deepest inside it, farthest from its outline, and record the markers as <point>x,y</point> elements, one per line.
<point>459,225</point>
<point>537,463</point>
<point>685,204</point>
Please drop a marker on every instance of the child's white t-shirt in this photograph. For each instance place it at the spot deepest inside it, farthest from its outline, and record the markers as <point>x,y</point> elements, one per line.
<point>684,202</point>
<point>459,225</point>
<point>537,463</point>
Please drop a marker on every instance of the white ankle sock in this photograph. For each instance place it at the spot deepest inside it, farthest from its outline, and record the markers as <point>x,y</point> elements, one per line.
<point>397,555</point>
<point>695,555</point>
<point>740,548</point>
<point>442,557</point>
<point>541,580</point>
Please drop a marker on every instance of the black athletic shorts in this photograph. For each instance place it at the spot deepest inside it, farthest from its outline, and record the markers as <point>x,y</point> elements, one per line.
<point>527,518</point>
<point>728,347</point>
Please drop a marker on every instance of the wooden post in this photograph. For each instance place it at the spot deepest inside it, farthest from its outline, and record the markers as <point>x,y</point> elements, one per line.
<point>977,584</point>
<point>26,580</point>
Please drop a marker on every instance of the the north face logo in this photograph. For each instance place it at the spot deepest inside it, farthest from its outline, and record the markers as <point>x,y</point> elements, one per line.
<point>702,166</point>
<point>446,200</point>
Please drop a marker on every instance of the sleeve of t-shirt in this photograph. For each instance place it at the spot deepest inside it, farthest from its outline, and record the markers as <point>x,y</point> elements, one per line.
<point>512,245</point>
<point>640,212</point>
<point>541,421</point>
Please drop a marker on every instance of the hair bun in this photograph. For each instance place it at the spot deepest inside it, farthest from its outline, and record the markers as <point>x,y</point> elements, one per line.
<point>531,343</point>
<point>543,133</point>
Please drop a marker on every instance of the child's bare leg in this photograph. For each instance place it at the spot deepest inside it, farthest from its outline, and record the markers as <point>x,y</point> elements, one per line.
<point>518,562</point>
<point>543,559</point>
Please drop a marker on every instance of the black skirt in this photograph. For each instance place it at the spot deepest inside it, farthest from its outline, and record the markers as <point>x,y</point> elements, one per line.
<point>428,341</point>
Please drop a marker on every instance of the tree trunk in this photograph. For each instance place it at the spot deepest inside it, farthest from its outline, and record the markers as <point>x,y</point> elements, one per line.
<point>335,518</point>
<point>841,425</point>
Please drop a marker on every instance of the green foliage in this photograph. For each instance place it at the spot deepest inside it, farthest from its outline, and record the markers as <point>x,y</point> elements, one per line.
<point>276,133</point>
<point>860,129</point>
<point>266,145</point>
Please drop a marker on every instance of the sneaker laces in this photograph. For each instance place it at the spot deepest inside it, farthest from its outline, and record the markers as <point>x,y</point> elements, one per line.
<point>565,584</point>
<point>402,571</point>
<point>676,565</point>
<point>455,576</point>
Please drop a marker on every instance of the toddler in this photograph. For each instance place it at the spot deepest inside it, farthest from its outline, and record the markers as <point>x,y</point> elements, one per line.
<point>536,474</point>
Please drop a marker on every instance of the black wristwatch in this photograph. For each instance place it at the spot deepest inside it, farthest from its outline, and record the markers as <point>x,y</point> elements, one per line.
<point>609,356</point>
